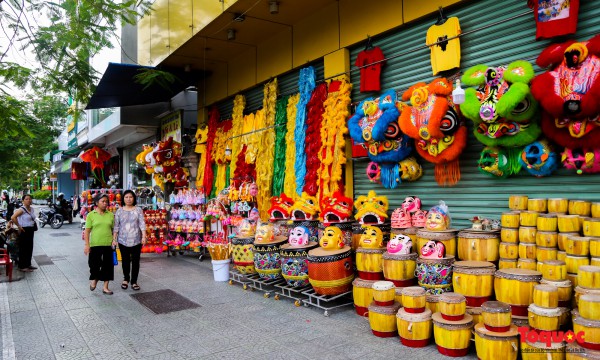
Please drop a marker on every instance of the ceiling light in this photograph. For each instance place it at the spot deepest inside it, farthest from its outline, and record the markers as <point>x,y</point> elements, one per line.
<point>274,7</point>
<point>230,34</point>
<point>239,17</point>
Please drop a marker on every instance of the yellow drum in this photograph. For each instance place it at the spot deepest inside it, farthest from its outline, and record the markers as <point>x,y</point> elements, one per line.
<point>527,234</point>
<point>539,266</point>
<point>565,291</point>
<point>579,292</point>
<point>369,263</point>
<point>562,239</point>
<point>510,219</point>
<point>530,264</point>
<point>574,262</point>
<point>582,219</point>
<point>595,261</point>
<point>538,205</point>
<point>446,237</point>
<point>528,218</point>
<point>508,250</point>
<point>589,277</point>
<point>414,329</point>
<point>384,293</point>
<point>527,251</point>
<point>545,253</point>
<point>558,206</point>
<point>452,337</point>
<point>509,235</point>
<point>432,302</point>
<point>489,345</point>
<point>452,306</point>
<point>517,202</point>
<point>554,270</point>
<point>546,238</point>
<point>520,321</point>
<point>382,320</point>
<point>476,313</point>
<point>591,227</point>
<point>398,295</point>
<point>545,296</point>
<point>589,306</point>
<point>496,316</point>
<point>572,278</point>
<point>561,255</point>
<point>515,287</point>
<point>547,222</point>
<point>595,210</point>
<point>541,351</point>
<point>400,268</point>
<point>575,352</point>
<point>478,246</point>
<point>578,245</point>
<point>362,292</point>
<point>568,223</point>
<point>507,264</point>
<point>413,299</point>
<point>474,280</point>
<point>595,247</point>
<point>591,329</point>
<point>565,316</point>
<point>580,207</point>
<point>544,319</point>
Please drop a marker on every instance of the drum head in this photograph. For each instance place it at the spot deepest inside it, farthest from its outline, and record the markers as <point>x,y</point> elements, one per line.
<point>482,330</point>
<point>310,245</point>
<point>322,252</point>
<point>474,264</point>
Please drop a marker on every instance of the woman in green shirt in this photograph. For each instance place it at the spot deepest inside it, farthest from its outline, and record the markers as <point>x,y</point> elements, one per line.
<point>99,244</point>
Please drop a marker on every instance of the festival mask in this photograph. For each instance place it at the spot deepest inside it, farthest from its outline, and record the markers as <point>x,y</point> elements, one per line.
<point>438,218</point>
<point>433,250</point>
<point>299,236</point>
<point>280,207</point>
<point>371,238</point>
<point>305,207</point>
<point>500,162</point>
<point>419,218</point>
<point>264,233</point>
<point>253,189</point>
<point>371,209</point>
<point>502,107</point>
<point>336,209</point>
<point>569,91</point>
<point>246,229</point>
<point>254,215</point>
<point>373,172</point>
<point>399,244</point>
<point>434,122</point>
<point>332,239</point>
<point>582,160</point>
<point>411,204</point>
<point>539,159</point>
<point>401,219</point>
<point>410,169</point>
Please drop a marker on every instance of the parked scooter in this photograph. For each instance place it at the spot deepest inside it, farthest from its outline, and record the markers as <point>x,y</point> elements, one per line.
<point>51,216</point>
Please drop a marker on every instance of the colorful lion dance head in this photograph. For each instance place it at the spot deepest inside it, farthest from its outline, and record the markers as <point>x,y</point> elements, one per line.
<point>336,209</point>
<point>371,209</point>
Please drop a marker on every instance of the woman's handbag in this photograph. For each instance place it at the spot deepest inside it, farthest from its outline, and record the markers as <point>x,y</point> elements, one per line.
<point>115,259</point>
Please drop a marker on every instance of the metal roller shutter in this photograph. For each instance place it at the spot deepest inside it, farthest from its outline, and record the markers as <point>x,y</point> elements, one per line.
<point>508,37</point>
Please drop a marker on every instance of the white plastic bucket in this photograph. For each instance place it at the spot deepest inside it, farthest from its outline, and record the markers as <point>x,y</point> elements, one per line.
<point>221,269</point>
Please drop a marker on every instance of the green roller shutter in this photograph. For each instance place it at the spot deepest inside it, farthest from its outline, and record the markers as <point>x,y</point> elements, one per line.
<point>505,37</point>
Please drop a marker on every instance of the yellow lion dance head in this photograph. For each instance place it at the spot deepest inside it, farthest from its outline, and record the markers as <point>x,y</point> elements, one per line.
<point>371,209</point>
<point>305,207</point>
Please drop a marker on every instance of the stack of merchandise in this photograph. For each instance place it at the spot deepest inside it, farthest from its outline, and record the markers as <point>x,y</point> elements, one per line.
<point>544,313</point>
<point>369,263</point>
<point>452,326</point>
<point>474,280</point>
<point>588,283</point>
<point>156,231</point>
<point>383,310</point>
<point>515,288</point>
<point>554,273</point>
<point>586,318</point>
<point>414,319</point>
<point>496,336</point>
<point>371,210</point>
<point>409,218</point>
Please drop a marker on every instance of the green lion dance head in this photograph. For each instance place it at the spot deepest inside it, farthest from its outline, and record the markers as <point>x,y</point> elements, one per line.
<point>500,162</point>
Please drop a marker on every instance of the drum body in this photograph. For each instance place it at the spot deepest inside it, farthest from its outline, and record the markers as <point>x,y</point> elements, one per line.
<point>267,258</point>
<point>507,264</point>
<point>528,218</point>
<point>579,292</point>
<point>565,291</point>
<point>554,270</point>
<point>369,263</point>
<point>510,219</point>
<point>414,329</point>
<point>496,316</point>
<point>527,234</point>
<point>330,272</point>
<point>558,206</point>
<point>589,277</point>
<point>591,328</point>
<point>384,293</point>
<point>435,275</point>
<point>580,207</point>
<point>595,247</point>
<point>577,245</point>
<point>508,250</point>
<point>400,268</point>
<point>530,264</point>
<point>294,264</point>
<point>452,306</point>
<point>546,238</point>
<point>509,235</point>
<point>537,205</point>
<point>452,337</point>
<point>474,280</point>
<point>432,302</point>
<point>544,319</point>
<point>591,227</point>
<point>414,299</point>
<point>243,255</point>
<point>515,287</point>
<point>544,254</point>
<point>527,251</point>
<point>574,262</point>
<point>589,306</point>
<point>382,320</point>
<point>568,223</point>
<point>547,222</point>
<point>517,202</point>
<point>478,246</point>
<point>545,296</point>
<point>476,313</point>
<point>446,237</point>
<point>489,346</point>
<point>362,293</point>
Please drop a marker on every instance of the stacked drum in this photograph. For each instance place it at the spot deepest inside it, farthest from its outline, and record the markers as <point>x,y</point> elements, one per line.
<point>452,326</point>
<point>515,287</point>
<point>383,310</point>
<point>496,337</point>
<point>474,280</point>
<point>587,316</point>
<point>544,314</point>
<point>369,262</point>
<point>267,258</point>
<point>414,319</point>
<point>588,281</point>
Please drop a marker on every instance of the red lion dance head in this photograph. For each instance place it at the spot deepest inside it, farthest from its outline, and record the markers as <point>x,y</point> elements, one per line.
<point>569,93</point>
<point>336,208</point>
<point>280,207</point>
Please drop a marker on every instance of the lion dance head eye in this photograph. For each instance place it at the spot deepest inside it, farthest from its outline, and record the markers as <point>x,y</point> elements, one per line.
<point>450,122</point>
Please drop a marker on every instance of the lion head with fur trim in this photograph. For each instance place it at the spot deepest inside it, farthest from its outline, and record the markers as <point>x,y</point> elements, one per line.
<point>371,209</point>
<point>280,207</point>
<point>336,209</point>
<point>305,207</point>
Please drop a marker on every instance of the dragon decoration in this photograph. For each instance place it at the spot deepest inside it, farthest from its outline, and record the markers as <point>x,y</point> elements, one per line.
<point>336,209</point>
<point>163,160</point>
<point>371,209</point>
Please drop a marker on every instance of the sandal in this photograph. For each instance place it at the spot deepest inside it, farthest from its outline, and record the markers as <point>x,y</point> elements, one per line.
<point>107,292</point>
<point>135,287</point>
<point>92,288</point>
<point>124,285</point>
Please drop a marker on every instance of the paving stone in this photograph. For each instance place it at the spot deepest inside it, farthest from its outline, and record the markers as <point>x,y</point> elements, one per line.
<point>82,353</point>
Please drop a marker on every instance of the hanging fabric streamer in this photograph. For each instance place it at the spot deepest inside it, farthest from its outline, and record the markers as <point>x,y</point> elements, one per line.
<point>280,135</point>
<point>289,186</point>
<point>306,85</point>
<point>314,119</point>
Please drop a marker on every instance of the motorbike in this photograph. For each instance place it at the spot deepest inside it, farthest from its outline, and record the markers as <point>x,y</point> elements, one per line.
<point>66,210</point>
<point>51,216</point>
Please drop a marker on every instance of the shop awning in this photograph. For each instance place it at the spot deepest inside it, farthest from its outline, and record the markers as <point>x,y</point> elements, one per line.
<point>118,87</point>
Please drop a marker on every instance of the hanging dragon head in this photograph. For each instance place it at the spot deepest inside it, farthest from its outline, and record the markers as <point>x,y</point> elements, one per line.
<point>280,207</point>
<point>581,160</point>
<point>336,208</point>
<point>371,209</point>
<point>539,159</point>
<point>569,91</point>
<point>498,161</point>
<point>305,207</point>
<point>501,107</point>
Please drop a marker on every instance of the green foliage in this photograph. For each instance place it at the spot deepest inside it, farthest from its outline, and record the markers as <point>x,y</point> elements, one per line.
<point>41,194</point>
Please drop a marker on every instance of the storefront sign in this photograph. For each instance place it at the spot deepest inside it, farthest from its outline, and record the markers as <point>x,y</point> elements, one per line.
<point>170,126</point>
<point>53,177</point>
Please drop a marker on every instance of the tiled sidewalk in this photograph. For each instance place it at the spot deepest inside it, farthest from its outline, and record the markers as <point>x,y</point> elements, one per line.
<point>51,314</point>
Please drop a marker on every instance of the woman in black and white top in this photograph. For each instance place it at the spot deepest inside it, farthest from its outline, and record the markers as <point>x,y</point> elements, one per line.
<point>24,218</point>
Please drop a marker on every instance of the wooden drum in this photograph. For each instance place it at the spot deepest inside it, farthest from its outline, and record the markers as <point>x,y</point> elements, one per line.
<point>384,293</point>
<point>562,239</point>
<point>544,319</point>
<point>496,316</point>
<point>568,223</point>
<point>580,207</point>
<point>528,218</point>
<point>595,209</point>
<point>580,291</point>
<point>545,296</point>
<point>294,266</point>
<point>527,234</point>
<point>330,272</point>
<point>243,255</point>
<point>369,263</point>
<point>452,337</point>
<point>574,262</point>
<point>478,246</point>
<point>561,255</point>
<point>414,299</point>
<point>554,270</point>
<point>515,287</point>
<point>510,219</point>
<point>527,251</point>
<point>591,227</point>
<point>595,261</point>
<point>589,277</point>
<point>493,345</point>
<point>595,247</point>
<point>544,254</point>
<point>547,222</point>
<point>589,306</point>
<point>382,320</point>
<point>565,291</point>
<point>414,329</point>
<point>362,293</point>
<point>538,205</point>
<point>546,238</point>
<point>507,264</point>
<point>509,235</point>
<point>446,237</point>
<point>474,280</point>
<point>400,268</point>
<point>577,245</point>
<point>435,275</point>
<point>267,258</point>
<point>508,250</point>
<point>558,206</point>
<point>452,306</point>
<point>591,328</point>
<point>517,202</point>
<point>476,313</point>
<point>432,302</point>
<point>529,264</point>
